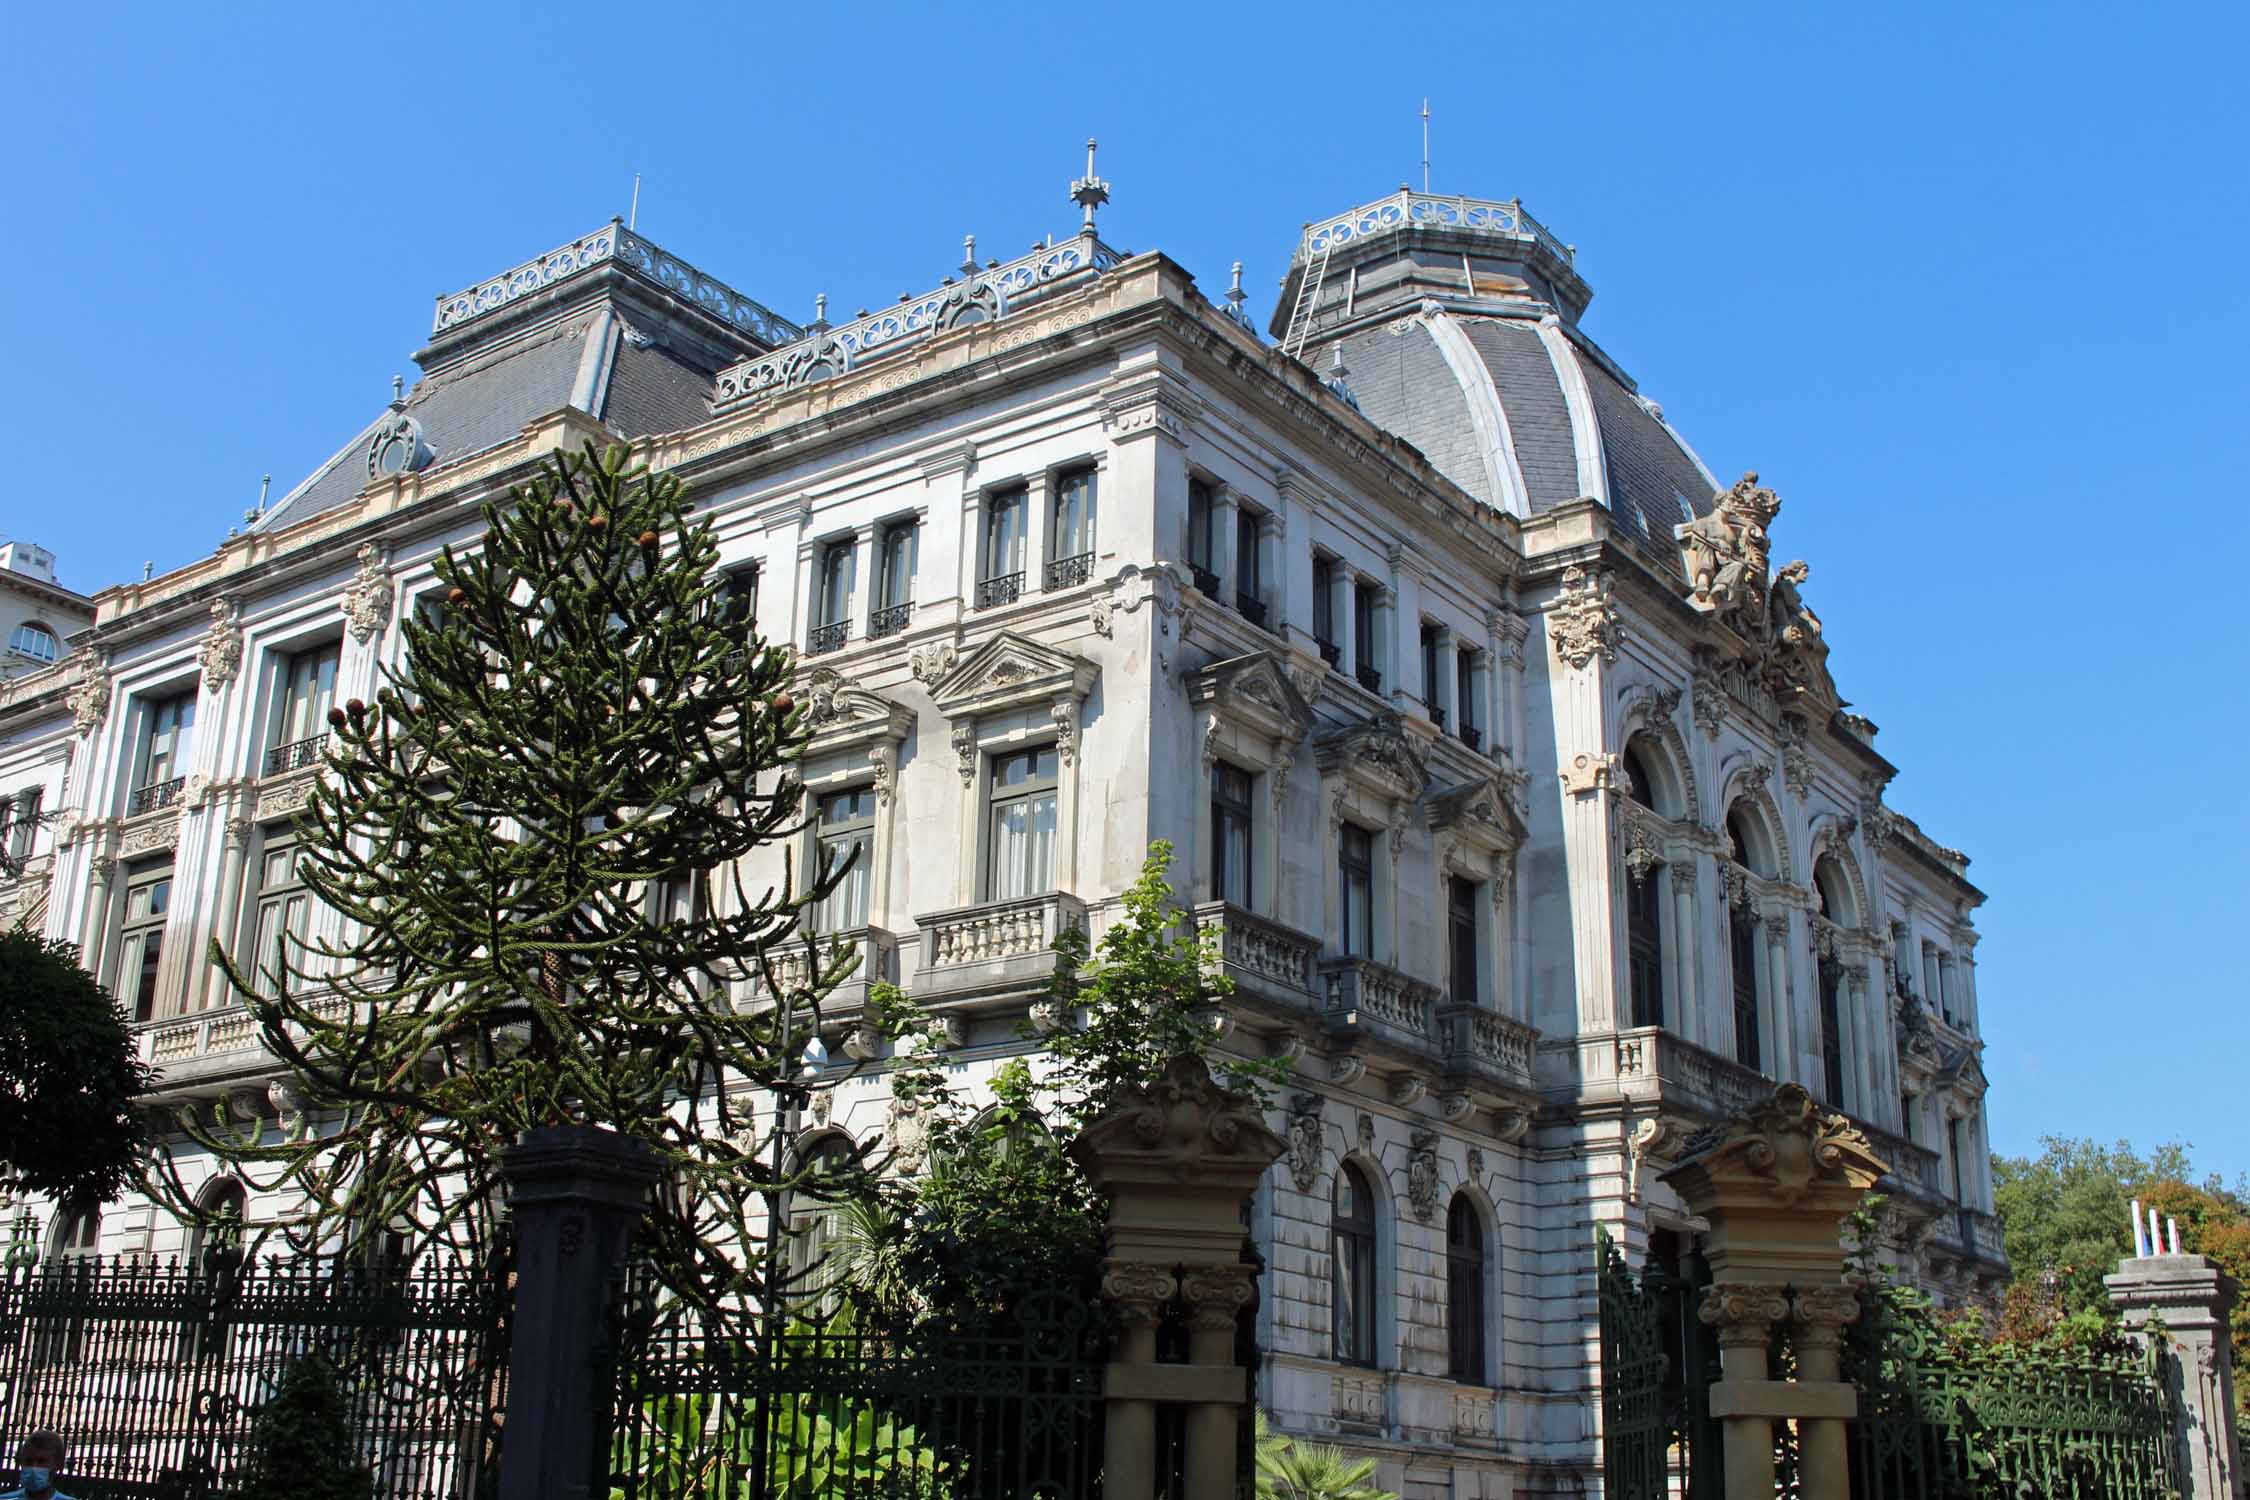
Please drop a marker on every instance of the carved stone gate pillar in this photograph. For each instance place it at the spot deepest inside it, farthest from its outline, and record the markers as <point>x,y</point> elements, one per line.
<point>2192,1298</point>
<point>1177,1158</point>
<point>1776,1185</point>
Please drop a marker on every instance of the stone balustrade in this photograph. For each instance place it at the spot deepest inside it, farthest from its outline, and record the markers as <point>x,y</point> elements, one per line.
<point>1263,955</point>
<point>994,947</point>
<point>1364,996</point>
<point>1485,1043</point>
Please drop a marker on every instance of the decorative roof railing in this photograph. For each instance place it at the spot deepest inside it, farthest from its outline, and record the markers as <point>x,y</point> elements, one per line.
<point>987,296</point>
<point>1405,209</point>
<point>614,242</point>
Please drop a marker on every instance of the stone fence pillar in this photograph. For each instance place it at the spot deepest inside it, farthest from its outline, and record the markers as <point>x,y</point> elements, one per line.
<point>1177,1158</point>
<point>2192,1298</point>
<point>575,1194</point>
<point>1776,1184</point>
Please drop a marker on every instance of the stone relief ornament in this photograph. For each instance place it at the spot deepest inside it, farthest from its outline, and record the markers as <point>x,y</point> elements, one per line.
<point>821,694</point>
<point>1583,619</point>
<point>1422,1174</point>
<point>908,1134</point>
<point>1589,772</point>
<point>1065,715</point>
<point>1366,1131</point>
<point>880,757</point>
<point>367,598</point>
<point>965,750</point>
<point>288,1103</point>
<point>930,663</point>
<point>1304,1141</point>
<point>89,701</point>
<point>220,654</point>
<point>1407,1089</point>
<point>1707,702</point>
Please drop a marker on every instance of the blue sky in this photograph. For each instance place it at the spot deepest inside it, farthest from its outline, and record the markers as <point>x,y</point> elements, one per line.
<point>1965,283</point>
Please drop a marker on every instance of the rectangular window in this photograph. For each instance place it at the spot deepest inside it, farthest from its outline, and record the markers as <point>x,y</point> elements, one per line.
<point>308,691</point>
<point>1430,699</point>
<point>1073,519</point>
<point>1465,705</point>
<point>1324,606</point>
<point>738,592</point>
<point>284,912</point>
<point>140,952</point>
<point>677,898</point>
<point>1200,510</point>
<point>19,824</point>
<point>832,601</point>
<point>1000,568</point>
<point>1230,834</point>
<point>1832,1030</point>
<point>846,830</point>
<point>1644,949</point>
<point>1022,835</point>
<point>1249,580</point>
<point>895,563</point>
<point>1742,949</point>
<point>1356,864</point>
<point>1365,663</point>
<point>166,736</point>
<point>1461,932</point>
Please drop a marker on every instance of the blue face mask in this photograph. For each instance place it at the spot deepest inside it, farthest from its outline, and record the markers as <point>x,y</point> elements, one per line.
<point>37,1481</point>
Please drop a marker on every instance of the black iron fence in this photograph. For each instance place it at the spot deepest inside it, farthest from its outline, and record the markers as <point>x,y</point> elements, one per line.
<point>1010,1410</point>
<point>1658,1363</point>
<point>155,1372</point>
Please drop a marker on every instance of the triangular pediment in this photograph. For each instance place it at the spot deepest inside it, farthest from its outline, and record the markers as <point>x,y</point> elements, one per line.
<point>1254,690</point>
<point>1377,751</point>
<point>841,714</point>
<point>1479,812</point>
<point>1011,671</point>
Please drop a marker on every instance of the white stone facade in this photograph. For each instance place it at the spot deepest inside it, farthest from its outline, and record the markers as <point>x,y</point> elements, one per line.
<point>1464,1027</point>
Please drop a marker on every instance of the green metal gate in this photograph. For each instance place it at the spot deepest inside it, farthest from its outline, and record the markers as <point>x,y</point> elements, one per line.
<point>1658,1362</point>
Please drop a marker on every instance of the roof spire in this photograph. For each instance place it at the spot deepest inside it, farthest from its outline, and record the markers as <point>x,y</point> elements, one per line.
<point>1425,144</point>
<point>968,255</point>
<point>398,390</point>
<point>1236,296</point>
<point>1089,192</point>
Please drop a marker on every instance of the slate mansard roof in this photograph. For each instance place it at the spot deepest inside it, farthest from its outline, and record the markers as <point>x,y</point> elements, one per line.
<point>1457,322</point>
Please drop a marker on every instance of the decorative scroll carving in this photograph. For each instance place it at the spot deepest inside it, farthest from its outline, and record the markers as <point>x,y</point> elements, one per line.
<point>1583,620</point>
<point>930,663</point>
<point>1422,1174</point>
<point>220,654</point>
<point>965,749</point>
<point>1304,1141</point>
<point>367,598</point>
<point>1707,702</point>
<point>1216,1295</point>
<point>1743,1313</point>
<point>89,701</point>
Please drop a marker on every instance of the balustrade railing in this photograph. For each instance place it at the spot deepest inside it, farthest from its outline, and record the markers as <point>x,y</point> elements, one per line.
<point>155,796</point>
<point>295,755</point>
<point>995,932</point>
<point>994,592</point>
<point>1067,572</point>
<point>1481,1040</point>
<point>1261,953</point>
<point>1406,209</point>
<point>1359,990</point>
<point>890,621</point>
<point>823,639</point>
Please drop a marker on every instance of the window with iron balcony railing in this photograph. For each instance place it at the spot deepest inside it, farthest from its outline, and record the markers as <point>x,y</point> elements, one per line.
<point>1205,580</point>
<point>890,621</point>
<point>1251,609</point>
<point>1370,676</point>
<point>826,638</point>
<point>1331,653</point>
<point>156,795</point>
<point>994,592</point>
<point>1473,738</point>
<point>1065,572</point>
<point>295,755</point>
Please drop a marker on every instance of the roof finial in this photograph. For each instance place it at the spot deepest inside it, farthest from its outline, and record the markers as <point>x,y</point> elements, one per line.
<point>148,571</point>
<point>1236,296</point>
<point>968,255</point>
<point>1425,145</point>
<point>633,214</point>
<point>1089,192</point>
<point>398,390</point>
<point>820,312</point>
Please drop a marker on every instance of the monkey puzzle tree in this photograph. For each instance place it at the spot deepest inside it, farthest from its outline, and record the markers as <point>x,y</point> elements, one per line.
<point>534,839</point>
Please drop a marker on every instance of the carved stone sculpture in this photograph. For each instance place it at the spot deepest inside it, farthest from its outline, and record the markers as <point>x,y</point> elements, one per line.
<point>367,598</point>
<point>1422,1174</point>
<point>220,654</point>
<point>1726,553</point>
<point>89,701</point>
<point>1304,1141</point>
<point>1583,620</point>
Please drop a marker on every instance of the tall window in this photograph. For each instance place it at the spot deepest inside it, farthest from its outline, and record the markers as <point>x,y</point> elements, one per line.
<point>738,592</point>
<point>308,690</point>
<point>1464,1292</point>
<point>833,626</point>
<point>1200,509</point>
<point>1230,834</point>
<point>1363,637</point>
<point>1644,946</point>
<point>1072,536</point>
<point>76,1247</point>
<point>1249,580</point>
<point>1000,574</point>
<point>1461,935</point>
<point>166,736</point>
<point>148,899</point>
<point>19,822</point>
<point>1356,866</point>
<point>847,832</point>
<point>1324,607</point>
<point>1465,704</point>
<point>80,1235</point>
<point>284,909</point>
<point>1023,824</point>
<point>1742,949</point>
<point>1352,1266</point>
<point>1832,1030</point>
<point>1429,674</point>
<point>894,577</point>
<point>33,640</point>
<point>816,1219</point>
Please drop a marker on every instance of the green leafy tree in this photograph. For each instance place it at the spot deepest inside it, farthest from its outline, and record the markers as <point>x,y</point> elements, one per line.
<point>535,839</point>
<point>69,1073</point>
<point>1292,1469</point>
<point>301,1445</point>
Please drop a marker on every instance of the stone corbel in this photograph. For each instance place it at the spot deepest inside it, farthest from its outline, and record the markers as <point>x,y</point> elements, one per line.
<point>1590,772</point>
<point>1455,1107</point>
<point>1408,1088</point>
<point>1346,1068</point>
<point>1511,1125</point>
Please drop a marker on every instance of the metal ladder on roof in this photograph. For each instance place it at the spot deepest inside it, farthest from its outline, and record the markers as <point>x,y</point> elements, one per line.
<point>1308,293</point>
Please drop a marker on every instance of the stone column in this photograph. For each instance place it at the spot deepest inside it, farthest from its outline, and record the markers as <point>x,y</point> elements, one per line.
<point>1340,618</point>
<point>226,926</point>
<point>2192,1298</point>
<point>1683,874</point>
<point>1783,1063</point>
<point>1441,693</point>
<point>1177,1158</point>
<point>575,1193</point>
<point>1480,701</point>
<point>1274,592</point>
<point>1386,639</point>
<point>1226,523</point>
<point>1744,1314</point>
<point>1821,1313</point>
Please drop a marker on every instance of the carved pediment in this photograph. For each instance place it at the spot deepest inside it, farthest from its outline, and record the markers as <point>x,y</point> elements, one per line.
<point>1479,813</point>
<point>842,716</point>
<point>1254,690</point>
<point>1011,671</point>
<point>1378,752</point>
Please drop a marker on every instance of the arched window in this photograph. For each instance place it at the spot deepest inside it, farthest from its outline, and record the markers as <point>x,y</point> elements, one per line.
<point>1640,766</point>
<point>34,640</point>
<point>224,1204</point>
<point>1748,843</point>
<point>816,1219</point>
<point>1835,892</point>
<point>78,1236</point>
<point>1352,1268</point>
<point>1464,1292</point>
<point>1832,1029</point>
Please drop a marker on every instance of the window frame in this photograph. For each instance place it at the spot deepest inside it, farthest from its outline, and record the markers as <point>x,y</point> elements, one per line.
<point>858,828</point>
<point>167,738</point>
<point>290,900</point>
<point>1366,635</point>
<point>1468,1351</point>
<point>39,630</point>
<point>1359,861</point>
<point>140,940</point>
<point>1464,943</point>
<point>1044,781</point>
<point>1829,978</point>
<point>19,820</point>
<point>1202,517</point>
<point>1249,578</point>
<point>1742,962</point>
<point>898,558</point>
<point>1236,816</point>
<point>1073,513</point>
<point>1323,600</point>
<point>1353,1278</point>
<point>301,681</point>
<point>1644,948</point>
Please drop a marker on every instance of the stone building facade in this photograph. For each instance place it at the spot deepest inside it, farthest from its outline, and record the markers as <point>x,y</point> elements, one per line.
<point>1483,725</point>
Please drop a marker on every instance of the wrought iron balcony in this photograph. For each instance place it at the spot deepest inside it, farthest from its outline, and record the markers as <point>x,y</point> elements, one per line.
<point>1331,653</point>
<point>994,592</point>
<point>1251,609</point>
<point>1473,738</point>
<point>890,621</point>
<point>827,638</point>
<point>1205,579</point>
<point>1370,677</point>
<point>296,755</point>
<point>1437,716</point>
<point>157,794</point>
<point>1067,572</point>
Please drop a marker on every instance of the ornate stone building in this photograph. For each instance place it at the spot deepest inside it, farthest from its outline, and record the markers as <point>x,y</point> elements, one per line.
<point>1512,770</point>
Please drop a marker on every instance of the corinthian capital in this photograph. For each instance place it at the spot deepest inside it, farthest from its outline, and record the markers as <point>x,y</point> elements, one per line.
<point>1743,1312</point>
<point>1216,1294</point>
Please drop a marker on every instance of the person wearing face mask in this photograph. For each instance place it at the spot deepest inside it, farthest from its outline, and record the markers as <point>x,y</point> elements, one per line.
<point>36,1462</point>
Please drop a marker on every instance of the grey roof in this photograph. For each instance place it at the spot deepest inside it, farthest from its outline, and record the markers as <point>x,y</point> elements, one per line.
<point>1538,418</point>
